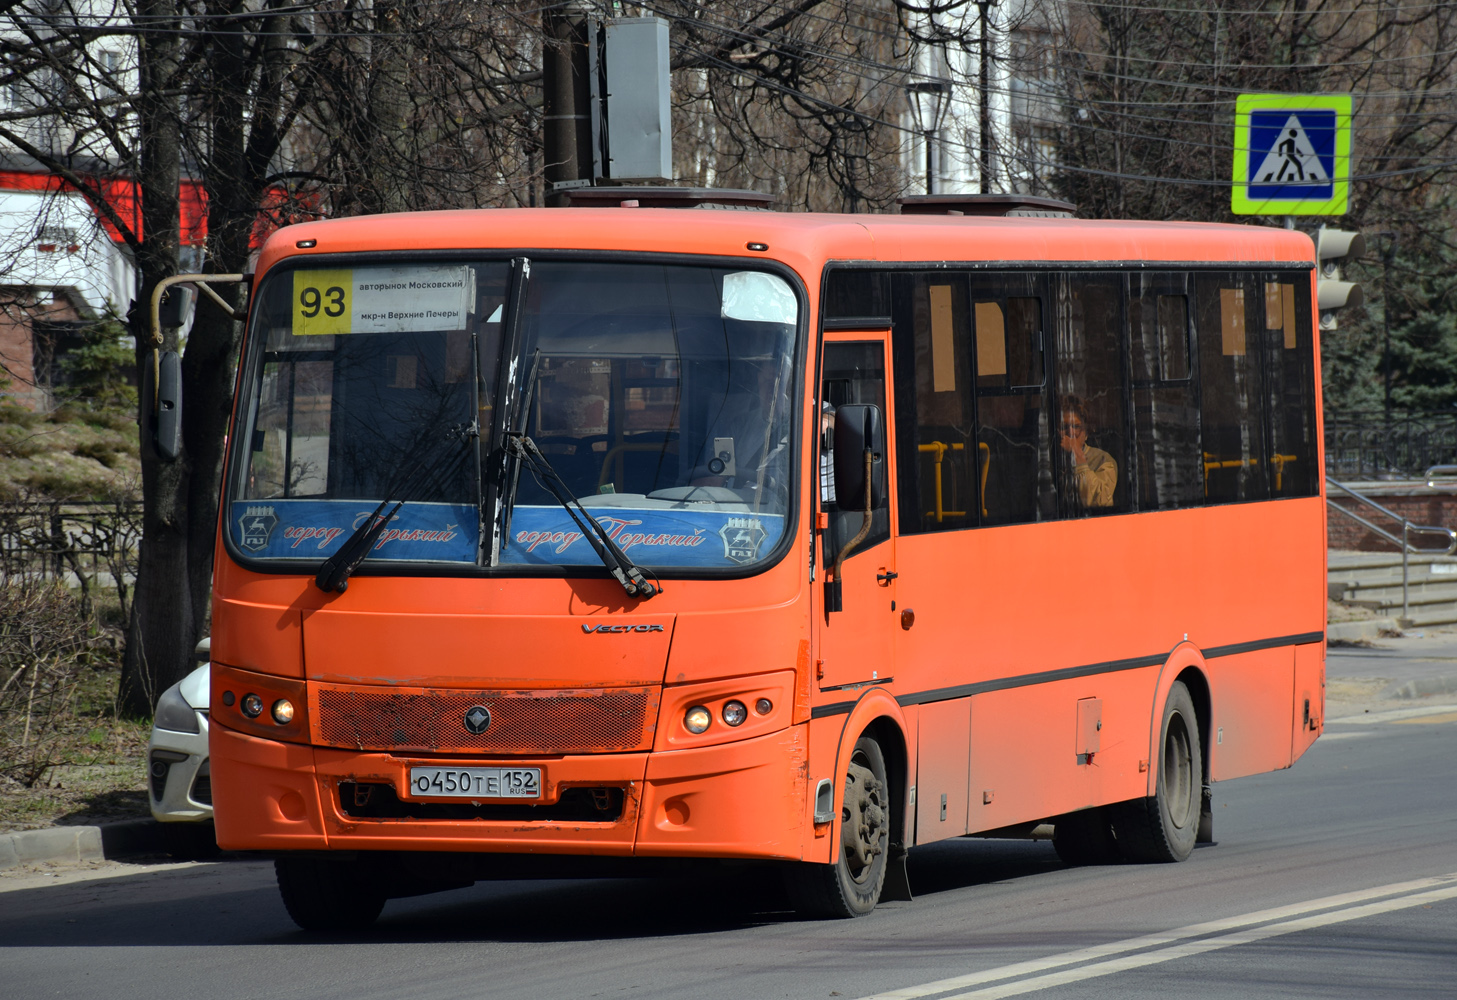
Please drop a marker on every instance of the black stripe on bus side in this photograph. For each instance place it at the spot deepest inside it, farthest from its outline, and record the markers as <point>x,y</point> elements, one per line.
<point>1027,680</point>
<point>1301,639</point>
<point>1066,673</point>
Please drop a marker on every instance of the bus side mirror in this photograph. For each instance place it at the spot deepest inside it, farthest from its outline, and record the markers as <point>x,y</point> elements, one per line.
<point>859,427</point>
<point>176,307</point>
<point>162,391</point>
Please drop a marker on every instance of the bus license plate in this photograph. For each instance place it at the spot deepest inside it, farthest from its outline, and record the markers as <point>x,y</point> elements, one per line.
<point>476,782</point>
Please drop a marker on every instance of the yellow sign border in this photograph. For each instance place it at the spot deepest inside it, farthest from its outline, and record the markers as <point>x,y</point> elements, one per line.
<point>1339,202</point>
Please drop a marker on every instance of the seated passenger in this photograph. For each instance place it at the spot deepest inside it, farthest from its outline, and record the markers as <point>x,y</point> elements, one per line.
<point>1094,470</point>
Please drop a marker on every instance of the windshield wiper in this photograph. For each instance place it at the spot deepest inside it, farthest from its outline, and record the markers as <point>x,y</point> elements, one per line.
<point>516,425</point>
<point>333,576</point>
<point>523,449</point>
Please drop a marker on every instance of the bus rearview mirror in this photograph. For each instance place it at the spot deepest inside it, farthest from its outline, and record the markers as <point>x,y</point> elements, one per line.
<point>859,427</point>
<point>167,407</point>
<point>175,309</point>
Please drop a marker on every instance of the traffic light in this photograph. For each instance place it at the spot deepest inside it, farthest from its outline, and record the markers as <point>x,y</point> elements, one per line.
<point>1333,249</point>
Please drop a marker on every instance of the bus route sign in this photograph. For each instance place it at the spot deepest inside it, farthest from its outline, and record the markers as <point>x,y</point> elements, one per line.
<point>1292,154</point>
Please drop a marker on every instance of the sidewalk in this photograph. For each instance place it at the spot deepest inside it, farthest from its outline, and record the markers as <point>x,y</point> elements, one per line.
<point>1392,673</point>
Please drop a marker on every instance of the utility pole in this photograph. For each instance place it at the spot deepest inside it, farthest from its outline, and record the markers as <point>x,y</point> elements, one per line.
<point>566,101</point>
<point>1386,260</point>
<point>984,100</point>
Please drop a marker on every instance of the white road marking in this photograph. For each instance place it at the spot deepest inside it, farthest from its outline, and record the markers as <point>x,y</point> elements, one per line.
<point>1393,715</point>
<point>1208,944</point>
<point>1443,884</point>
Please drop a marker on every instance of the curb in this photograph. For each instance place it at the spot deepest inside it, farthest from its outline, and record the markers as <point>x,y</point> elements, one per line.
<point>81,843</point>
<point>1367,630</point>
<point>1423,687</point>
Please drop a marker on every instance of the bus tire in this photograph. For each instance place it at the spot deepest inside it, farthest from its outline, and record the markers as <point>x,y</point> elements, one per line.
<point>1164,826</point>
<point>1086,838</point>
<point>850,887</point>
<point>324,895</point>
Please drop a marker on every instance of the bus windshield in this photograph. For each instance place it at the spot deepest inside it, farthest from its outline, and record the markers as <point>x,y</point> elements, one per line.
<point>660,394</point>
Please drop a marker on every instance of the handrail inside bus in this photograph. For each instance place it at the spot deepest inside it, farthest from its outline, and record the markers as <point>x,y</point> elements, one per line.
<point>1213,463</point>
<point>939,450</point>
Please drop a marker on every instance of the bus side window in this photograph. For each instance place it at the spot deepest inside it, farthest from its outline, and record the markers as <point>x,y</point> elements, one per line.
<point>1290,385</point>
<point>943,493</point>
<point>1014,427</point>
<point>1230,318</point>
<point>1092,440</point>
<point>1165,401</point>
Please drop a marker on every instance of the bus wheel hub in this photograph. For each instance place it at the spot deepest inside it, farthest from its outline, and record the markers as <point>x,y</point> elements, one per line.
<point>862,817</point>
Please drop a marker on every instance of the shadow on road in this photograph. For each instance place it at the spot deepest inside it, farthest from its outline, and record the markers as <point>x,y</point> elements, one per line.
<point>237,903</point>
<point>956,864</point>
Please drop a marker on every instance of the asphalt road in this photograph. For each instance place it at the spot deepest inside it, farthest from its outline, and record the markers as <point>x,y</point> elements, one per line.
<point>1336,878</point>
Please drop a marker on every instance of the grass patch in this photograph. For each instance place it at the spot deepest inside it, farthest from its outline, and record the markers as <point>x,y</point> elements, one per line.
<point>79,451</point>
<point>97,450</point>
<point>67,483</point>
<point>66,756</point>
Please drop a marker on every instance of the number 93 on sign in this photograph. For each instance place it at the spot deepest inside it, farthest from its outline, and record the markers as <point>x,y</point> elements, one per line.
<point>321,302</point>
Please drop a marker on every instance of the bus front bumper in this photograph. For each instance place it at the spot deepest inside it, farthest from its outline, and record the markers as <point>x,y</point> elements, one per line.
<point>747,799</point>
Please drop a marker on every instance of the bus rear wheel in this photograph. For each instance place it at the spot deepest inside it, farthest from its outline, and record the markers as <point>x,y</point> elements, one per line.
<point>1164,826</point>
<point>850,887</point>
<point>326,895</point>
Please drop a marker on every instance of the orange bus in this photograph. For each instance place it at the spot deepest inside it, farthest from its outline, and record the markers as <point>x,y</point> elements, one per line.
<point>573,536</point>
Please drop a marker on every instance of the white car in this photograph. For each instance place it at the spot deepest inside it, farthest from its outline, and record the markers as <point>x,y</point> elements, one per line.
<point>179,783</point>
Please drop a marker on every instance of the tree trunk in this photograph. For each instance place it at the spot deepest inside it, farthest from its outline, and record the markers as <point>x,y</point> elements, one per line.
<point>165,616</point>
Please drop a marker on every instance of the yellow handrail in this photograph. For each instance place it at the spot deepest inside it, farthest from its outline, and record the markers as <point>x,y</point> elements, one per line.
<point>939,449</point>
<point>1212,464</point>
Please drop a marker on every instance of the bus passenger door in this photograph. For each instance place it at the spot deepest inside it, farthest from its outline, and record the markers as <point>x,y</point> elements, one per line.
<point>857,642</point>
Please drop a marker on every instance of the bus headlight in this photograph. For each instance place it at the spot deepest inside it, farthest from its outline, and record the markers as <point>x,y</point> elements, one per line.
<point>252,706</point>
<point>696,719</point>
<point>283,711</point>
<point>734,713</point>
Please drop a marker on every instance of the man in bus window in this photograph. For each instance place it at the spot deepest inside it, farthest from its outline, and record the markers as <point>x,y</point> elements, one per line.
<point>1094,470</point>
<point>827,453</point>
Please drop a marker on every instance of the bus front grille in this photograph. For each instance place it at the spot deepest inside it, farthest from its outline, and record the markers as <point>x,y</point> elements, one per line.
<point>520,722</point>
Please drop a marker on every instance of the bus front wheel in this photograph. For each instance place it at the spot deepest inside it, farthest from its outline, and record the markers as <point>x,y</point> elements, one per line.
<point>325,895</point>
<point>1164,826</point>
<point>850,887</point>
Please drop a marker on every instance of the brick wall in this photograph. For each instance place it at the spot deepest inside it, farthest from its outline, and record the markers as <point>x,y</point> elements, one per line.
<point>1413,501</point>
<point>19,309</point>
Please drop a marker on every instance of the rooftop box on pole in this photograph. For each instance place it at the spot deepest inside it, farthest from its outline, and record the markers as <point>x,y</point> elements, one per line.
<point>639,127</point>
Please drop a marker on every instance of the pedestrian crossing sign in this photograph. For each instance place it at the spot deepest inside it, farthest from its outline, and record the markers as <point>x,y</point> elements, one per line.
<point>1292,154</point>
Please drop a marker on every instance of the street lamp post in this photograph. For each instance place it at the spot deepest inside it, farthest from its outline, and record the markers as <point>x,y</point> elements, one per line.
<point>929,101</point>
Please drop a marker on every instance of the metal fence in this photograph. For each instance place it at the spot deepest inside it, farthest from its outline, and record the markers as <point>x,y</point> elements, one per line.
<point>85,545</point>
<point>1366,445</point>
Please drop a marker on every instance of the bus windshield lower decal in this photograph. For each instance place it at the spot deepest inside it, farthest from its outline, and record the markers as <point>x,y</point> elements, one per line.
<point>547,536</point>
<point>314,529</point>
